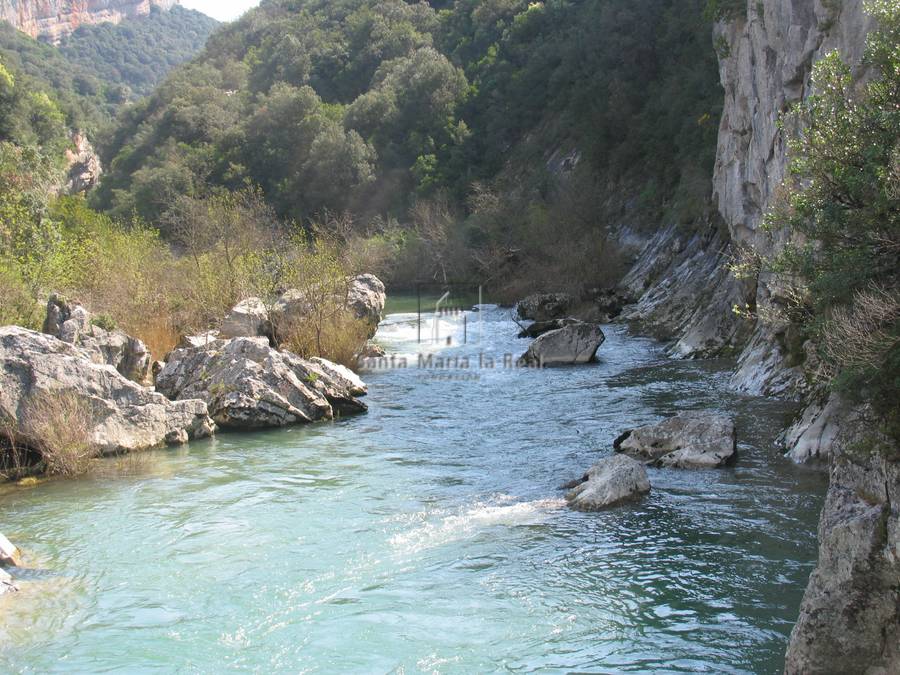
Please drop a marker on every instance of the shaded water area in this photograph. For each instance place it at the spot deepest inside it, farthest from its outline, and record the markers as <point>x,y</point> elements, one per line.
<point>428,535</point>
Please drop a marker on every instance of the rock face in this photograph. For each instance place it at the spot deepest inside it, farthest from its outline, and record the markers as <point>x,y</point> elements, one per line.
<point>72,323</point>
<point>247,384</point>
<point>545,306</point>
<point>850,615</point>
<point>52,19</point>
<point>83,166</point>
<point>610,482</point>
<point>824,429</point>
<point>124,415</point>
<point>687,441</point>
<point>573,344</point>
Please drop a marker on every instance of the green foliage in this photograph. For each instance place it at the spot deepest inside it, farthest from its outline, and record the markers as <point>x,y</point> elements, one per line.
<point>844,203</point>
<point>725,10</point>
<point>136,54</point>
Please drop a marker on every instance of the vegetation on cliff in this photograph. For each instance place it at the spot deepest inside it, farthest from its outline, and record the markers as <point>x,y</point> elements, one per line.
<point>844,205</point>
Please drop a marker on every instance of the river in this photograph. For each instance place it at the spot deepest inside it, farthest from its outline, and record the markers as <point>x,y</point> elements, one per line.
<point>428,535</point>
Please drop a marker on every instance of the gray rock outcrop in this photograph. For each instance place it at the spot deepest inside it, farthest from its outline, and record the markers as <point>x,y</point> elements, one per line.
<point>850,615</point>
<point>72,323</point>
<point>545,306</point>
<point>248,318</point>
<point>686,441</point>
<point>124,416</point>
<point>248,384</point>
<point>573,344</point>
<point>611,481</point>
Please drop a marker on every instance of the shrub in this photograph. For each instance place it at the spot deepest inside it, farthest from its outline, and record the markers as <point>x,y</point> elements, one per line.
<point>58,426</point>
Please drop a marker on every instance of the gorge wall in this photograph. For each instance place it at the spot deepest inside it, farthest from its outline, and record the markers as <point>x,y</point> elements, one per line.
<point>52,19</point>
<point>850,615</point>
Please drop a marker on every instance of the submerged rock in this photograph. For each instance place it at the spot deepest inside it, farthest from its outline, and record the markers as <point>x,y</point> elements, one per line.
<point>545,306</point>
<point>6,583</point>
<point>850,615</point>
<point>572,344</point>
<point>248,384</point>
<point>686,441</point>
<point>611,481</point>
<point>72,323</point>
<point>366,297</point>
<point>123,415</point>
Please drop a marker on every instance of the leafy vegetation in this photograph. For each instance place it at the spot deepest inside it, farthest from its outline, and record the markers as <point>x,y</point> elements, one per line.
<point>133,56</point>
<point>388,111</point>
<point>844,205</point>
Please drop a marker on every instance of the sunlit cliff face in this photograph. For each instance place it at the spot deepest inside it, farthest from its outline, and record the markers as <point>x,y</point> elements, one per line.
<point>52,19</point>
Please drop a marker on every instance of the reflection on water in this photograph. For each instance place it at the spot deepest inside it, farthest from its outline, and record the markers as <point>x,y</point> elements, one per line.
<point>426,536</point>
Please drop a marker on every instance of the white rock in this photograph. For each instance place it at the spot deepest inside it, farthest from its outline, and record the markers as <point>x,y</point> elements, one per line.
<point>610,482</point>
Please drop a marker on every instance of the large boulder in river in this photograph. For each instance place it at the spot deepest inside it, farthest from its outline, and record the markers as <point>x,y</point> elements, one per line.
<point>72,323</point>
<point>122,415</point>
<point>572,344</point>
<point>545,306</point>
<point>248,384</point>
<point>610,482</point>
<point>686,441</point>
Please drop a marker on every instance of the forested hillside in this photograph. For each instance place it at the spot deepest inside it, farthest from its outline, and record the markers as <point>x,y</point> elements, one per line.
<point>439,126</point>
<point>99,68</point>
<point>138,53</point>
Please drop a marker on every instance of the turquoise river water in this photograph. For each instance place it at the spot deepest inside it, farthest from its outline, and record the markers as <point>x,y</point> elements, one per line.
<point>427,536</point>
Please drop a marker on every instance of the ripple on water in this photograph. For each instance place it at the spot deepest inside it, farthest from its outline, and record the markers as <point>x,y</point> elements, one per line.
<point>427,536</point>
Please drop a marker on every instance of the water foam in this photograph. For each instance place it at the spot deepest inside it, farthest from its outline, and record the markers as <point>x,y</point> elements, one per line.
<point>440,528</point>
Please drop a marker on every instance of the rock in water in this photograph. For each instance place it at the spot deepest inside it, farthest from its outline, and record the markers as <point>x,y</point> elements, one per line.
<point>365,298</point>
<point>572,344</point>
<point>9,554</point>
<point>124,416</point>
<point>686,441</point>
<point>72,323</point>
<point>248,318</point>
<point>850,615</point>
<point>611,481</point>
<point>248,384</point>
<point>538,328</point>
<point>545,306</point>
<point>6,583</point>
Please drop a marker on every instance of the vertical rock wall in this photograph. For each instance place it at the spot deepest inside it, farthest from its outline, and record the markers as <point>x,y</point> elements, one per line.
<point>52,19</point>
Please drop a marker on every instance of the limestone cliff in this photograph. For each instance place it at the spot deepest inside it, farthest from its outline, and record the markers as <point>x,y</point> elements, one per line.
<point>52,19</point>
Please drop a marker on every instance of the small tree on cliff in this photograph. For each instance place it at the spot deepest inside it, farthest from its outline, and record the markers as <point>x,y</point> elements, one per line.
<point>844,208</point>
